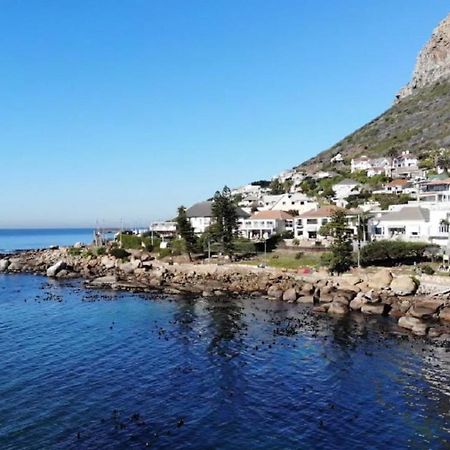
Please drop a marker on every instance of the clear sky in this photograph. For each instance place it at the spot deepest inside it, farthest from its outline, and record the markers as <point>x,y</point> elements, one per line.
<point>114,109</point>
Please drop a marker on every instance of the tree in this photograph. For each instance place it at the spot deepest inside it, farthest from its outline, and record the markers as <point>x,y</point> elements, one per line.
<point>186,231</point>
<point>277,187</point>
<point>226,220</point>
<point>341,249</point>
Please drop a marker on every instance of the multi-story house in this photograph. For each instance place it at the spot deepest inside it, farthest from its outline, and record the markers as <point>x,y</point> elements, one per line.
<point>264,224</point>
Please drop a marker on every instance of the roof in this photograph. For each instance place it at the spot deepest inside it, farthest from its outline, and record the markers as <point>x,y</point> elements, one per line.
<point>416,213</point>
<point>273,214</point>
<point>398,182</point>
<point>204,209</point>
<point>438,181</point>
<point>325,211</point>
<point>347,181</point>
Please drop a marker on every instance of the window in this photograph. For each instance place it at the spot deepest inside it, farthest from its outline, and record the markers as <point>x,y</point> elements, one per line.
<point>311,221</point>
<point>312,234</point>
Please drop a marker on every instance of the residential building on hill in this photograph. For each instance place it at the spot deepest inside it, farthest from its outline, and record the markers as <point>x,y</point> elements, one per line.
<point>414,222</point>
<point>264,224</point>
<point>201,217</point>
<point>307,225</point>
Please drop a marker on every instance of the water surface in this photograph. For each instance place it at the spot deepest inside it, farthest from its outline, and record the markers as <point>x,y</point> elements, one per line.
<point>35,238</point>
<point>88,370</point>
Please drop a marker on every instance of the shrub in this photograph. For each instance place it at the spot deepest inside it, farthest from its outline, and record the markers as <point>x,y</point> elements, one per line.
<point>133,241</point>
<point>100,251</point>
<point>74,251</point>
<point>244,246</point>
<point>296,242</point>
<point>163,252</point>
<point>387,252</point>
<point>325,259</point>
<point>299,255</point>
<point>119,253</point>
<point>427,270</point>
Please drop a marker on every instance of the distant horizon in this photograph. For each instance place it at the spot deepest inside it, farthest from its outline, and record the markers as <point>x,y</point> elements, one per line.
<point>119,112</point>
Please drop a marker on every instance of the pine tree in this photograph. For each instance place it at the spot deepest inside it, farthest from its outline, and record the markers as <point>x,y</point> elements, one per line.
<point>341,248</point>
<point>186,231</point>
<point>226,219</point>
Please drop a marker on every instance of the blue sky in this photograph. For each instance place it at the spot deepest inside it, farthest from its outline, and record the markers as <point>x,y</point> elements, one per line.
<point>123,110</point>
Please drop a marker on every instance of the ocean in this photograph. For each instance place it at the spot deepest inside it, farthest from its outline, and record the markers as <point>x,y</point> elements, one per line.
<point>34,238</point>
<point>108,370</point>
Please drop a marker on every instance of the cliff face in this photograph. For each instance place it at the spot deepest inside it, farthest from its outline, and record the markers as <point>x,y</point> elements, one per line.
<point>433,62</point>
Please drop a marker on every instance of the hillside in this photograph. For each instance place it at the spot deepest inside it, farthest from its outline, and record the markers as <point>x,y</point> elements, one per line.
<point>418,123</point>
<point>419,120</point>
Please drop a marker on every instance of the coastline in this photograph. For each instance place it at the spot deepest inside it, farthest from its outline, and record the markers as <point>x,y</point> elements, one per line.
<point>418,304</point>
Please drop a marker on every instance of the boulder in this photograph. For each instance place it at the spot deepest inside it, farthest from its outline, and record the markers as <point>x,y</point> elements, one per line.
<point>52,271</point>
<point>275,292</point>
<point>350,280</point>
<point>425,308</point>
<point>15,265</point>
<point>357,303</point>
<point>108,262</point>
<point>4,264</point>
<point>444,314</point>
<point>290,295</point>
<point>307,289</point>
<point>373,308</point>
<point>306,299</point>
<point>403,285</point>
<point>380,280</point>
<point>413,324</point>
<point>338,308</point>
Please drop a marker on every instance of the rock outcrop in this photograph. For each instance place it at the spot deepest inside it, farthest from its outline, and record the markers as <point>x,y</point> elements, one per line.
<point>433,62</point>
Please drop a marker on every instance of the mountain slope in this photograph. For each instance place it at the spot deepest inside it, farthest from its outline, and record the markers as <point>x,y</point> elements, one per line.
<point>419,120</point>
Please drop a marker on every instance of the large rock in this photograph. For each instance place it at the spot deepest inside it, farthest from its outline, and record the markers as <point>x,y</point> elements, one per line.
<point>425,308</point>
<point>53,270</point>
<point>108,262</point>
<point>290,295</point>
<point>380,280</point>
<point>373,308</point>
<point>444,314</point>
<point>338,308</point>
<point>413,324</point>
<point>306,299</point>
<point>275,291</point>
<point>4,264</point>
<point>403,285</point>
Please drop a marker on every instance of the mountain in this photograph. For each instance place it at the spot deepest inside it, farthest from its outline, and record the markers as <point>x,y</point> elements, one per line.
<point>418,121</point>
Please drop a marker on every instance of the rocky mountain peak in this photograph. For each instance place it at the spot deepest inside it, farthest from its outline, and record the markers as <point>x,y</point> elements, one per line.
<point>433,62</point>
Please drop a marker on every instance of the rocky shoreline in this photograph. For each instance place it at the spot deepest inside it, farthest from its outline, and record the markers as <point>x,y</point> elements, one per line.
<point>419,304</point>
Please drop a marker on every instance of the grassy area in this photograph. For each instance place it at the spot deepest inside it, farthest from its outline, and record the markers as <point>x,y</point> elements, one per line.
<point>288,261</point>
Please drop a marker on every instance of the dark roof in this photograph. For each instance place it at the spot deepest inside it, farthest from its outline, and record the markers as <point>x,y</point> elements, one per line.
<point>204,209</point>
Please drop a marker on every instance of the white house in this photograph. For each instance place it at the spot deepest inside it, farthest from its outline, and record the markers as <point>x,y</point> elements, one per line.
<point>307,225</point>
<point>362,163</point>
<point>406,159</point>
<point>201,217</point>
<point>164,229</point>
<point>398,186</point>
<point>380,166</point>
<point>294,202</point>
<point>435,191</point>
<point>420,222</point>
<point>264,224</point>
<point>345,188</point>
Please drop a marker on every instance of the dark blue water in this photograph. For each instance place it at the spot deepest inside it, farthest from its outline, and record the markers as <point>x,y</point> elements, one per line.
<point>33,238</point>
<point>126,371</point>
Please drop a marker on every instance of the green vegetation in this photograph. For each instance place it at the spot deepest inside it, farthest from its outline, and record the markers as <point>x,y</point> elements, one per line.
<point>341,249</point>
<point>74,251</point>
<point>135,242</point>
<point>277,187</point>
<point>100,251</point>
<point>186,232</point>
<point>386,200</point>
<point>119,253</point>
<point>389,253</point>
<point>225,228</point>
<point>289,261</point>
